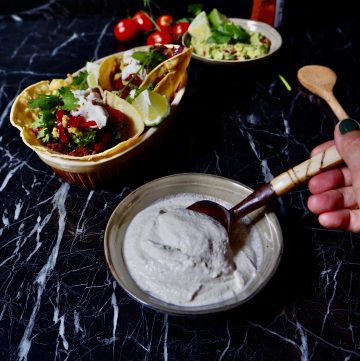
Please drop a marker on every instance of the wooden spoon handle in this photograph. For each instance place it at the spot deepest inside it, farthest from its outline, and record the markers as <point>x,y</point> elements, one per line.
<point>299,174</point>
<point>287,181</point>
<point>336,107</point>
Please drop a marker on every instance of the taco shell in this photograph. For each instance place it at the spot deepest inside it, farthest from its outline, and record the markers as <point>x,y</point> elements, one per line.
<point>171,72</point>
<point>107,70</point>
<point>22,117</point>
<point>168,75</point>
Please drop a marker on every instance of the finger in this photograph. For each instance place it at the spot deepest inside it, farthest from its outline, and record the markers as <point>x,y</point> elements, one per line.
<point>332,200</point>
<point>322,147</point>
<point>335,178</point>
<point>347,140</point>
<point>345,219</point>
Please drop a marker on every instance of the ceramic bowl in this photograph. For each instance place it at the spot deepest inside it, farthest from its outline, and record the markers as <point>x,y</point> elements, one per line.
<point>104,173</point>
<point>265,223</point>
<point>253,25</point>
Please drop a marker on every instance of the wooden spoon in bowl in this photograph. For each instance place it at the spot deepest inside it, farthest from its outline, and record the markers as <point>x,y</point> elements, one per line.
<point>320,80</point>
<point>280,185</point>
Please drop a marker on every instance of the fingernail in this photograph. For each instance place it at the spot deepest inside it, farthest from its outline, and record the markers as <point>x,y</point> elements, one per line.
<point>348,125</point>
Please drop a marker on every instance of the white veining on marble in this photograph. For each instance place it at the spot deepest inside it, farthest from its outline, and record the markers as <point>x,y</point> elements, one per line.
<point>166,333</point>
<point>100,39</point>
<point>77,325</point>
<point>18,206</point>
<point>116,314</point>
<point>73,37</point>
<point>56,319</point>
<point>264,164</point>
<point>80,229</point>
<point>16,18</point>
<point>38,227</point>
<point>228,343</point>
<point>333,293</point>
<point>4,115</point>
<point>43,275</point>
<point>304,342</point>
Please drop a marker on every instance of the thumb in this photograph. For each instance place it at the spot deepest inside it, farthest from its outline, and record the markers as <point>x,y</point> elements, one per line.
<point>347,141</point>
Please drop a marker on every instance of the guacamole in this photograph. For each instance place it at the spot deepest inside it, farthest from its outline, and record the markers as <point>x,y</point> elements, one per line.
<point>257,45</point>
<point>215,36</point>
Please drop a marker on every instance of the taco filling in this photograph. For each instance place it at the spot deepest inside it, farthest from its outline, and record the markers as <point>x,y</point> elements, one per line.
<point>77,122</point>
<point>126,74</point>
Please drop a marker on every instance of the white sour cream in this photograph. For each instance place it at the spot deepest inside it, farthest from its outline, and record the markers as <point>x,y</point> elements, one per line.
<point>131,66</point>
<point>186,258</point>
<point>88,110</point>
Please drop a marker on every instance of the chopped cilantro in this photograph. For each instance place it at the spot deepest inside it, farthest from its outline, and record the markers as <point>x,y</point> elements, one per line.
<point>229,33</point>
<point>150,59</point>
<point>85,137</point>
<point>284,81</point>
<point>46,121</point>
<point>68,97</point>
<point>80,80</point>
<point>45,102</point>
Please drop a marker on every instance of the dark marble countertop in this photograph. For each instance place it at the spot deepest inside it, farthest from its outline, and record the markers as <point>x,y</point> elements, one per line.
<point>58,300</point>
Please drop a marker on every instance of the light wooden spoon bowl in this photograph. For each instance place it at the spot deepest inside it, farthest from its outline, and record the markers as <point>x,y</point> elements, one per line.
<point>320,80</point>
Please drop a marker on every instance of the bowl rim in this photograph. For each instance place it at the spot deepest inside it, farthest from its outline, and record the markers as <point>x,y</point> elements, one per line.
<point>159,305</point>
<point>248,24</point>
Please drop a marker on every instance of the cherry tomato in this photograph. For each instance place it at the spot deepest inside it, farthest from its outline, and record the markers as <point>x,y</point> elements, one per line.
<point>164,20</point>
<point>179,30</point>
<point>144,21</point>
<point>166,28</point>
<point>159,37</point>
<point>126,30</point>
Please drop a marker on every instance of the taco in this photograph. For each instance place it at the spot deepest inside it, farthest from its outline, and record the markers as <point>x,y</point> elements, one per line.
<point>161,68</point>
<point>67,119</point>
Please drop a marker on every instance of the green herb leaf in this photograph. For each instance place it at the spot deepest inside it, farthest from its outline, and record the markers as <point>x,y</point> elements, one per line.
<point>155,58</point>
<point>219,38</point>
<point>70,102</point>
<point>46,121</point>
<point>150,59</point>
<point>80,80</point>
<point>238,33</point>
<point>139,55</point>
<point>195,9</point>
<point>44,102</point>
<point>228,32</point>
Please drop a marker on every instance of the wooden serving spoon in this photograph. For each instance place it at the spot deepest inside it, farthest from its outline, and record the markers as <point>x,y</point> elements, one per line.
<point>320,80</point>
<point>283,183</point>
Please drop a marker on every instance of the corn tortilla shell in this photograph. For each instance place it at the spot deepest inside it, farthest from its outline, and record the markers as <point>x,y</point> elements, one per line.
<point>171,72</point>
<point>22,117</point>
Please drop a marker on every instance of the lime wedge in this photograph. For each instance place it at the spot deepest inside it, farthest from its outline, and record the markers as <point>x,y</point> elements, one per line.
<point>216,18</point>
<point>152,106</point>
<point>93,74</point>
<point>199,28</point>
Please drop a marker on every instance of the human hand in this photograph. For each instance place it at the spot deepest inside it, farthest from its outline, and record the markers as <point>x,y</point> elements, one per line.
<point>336,193</point>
